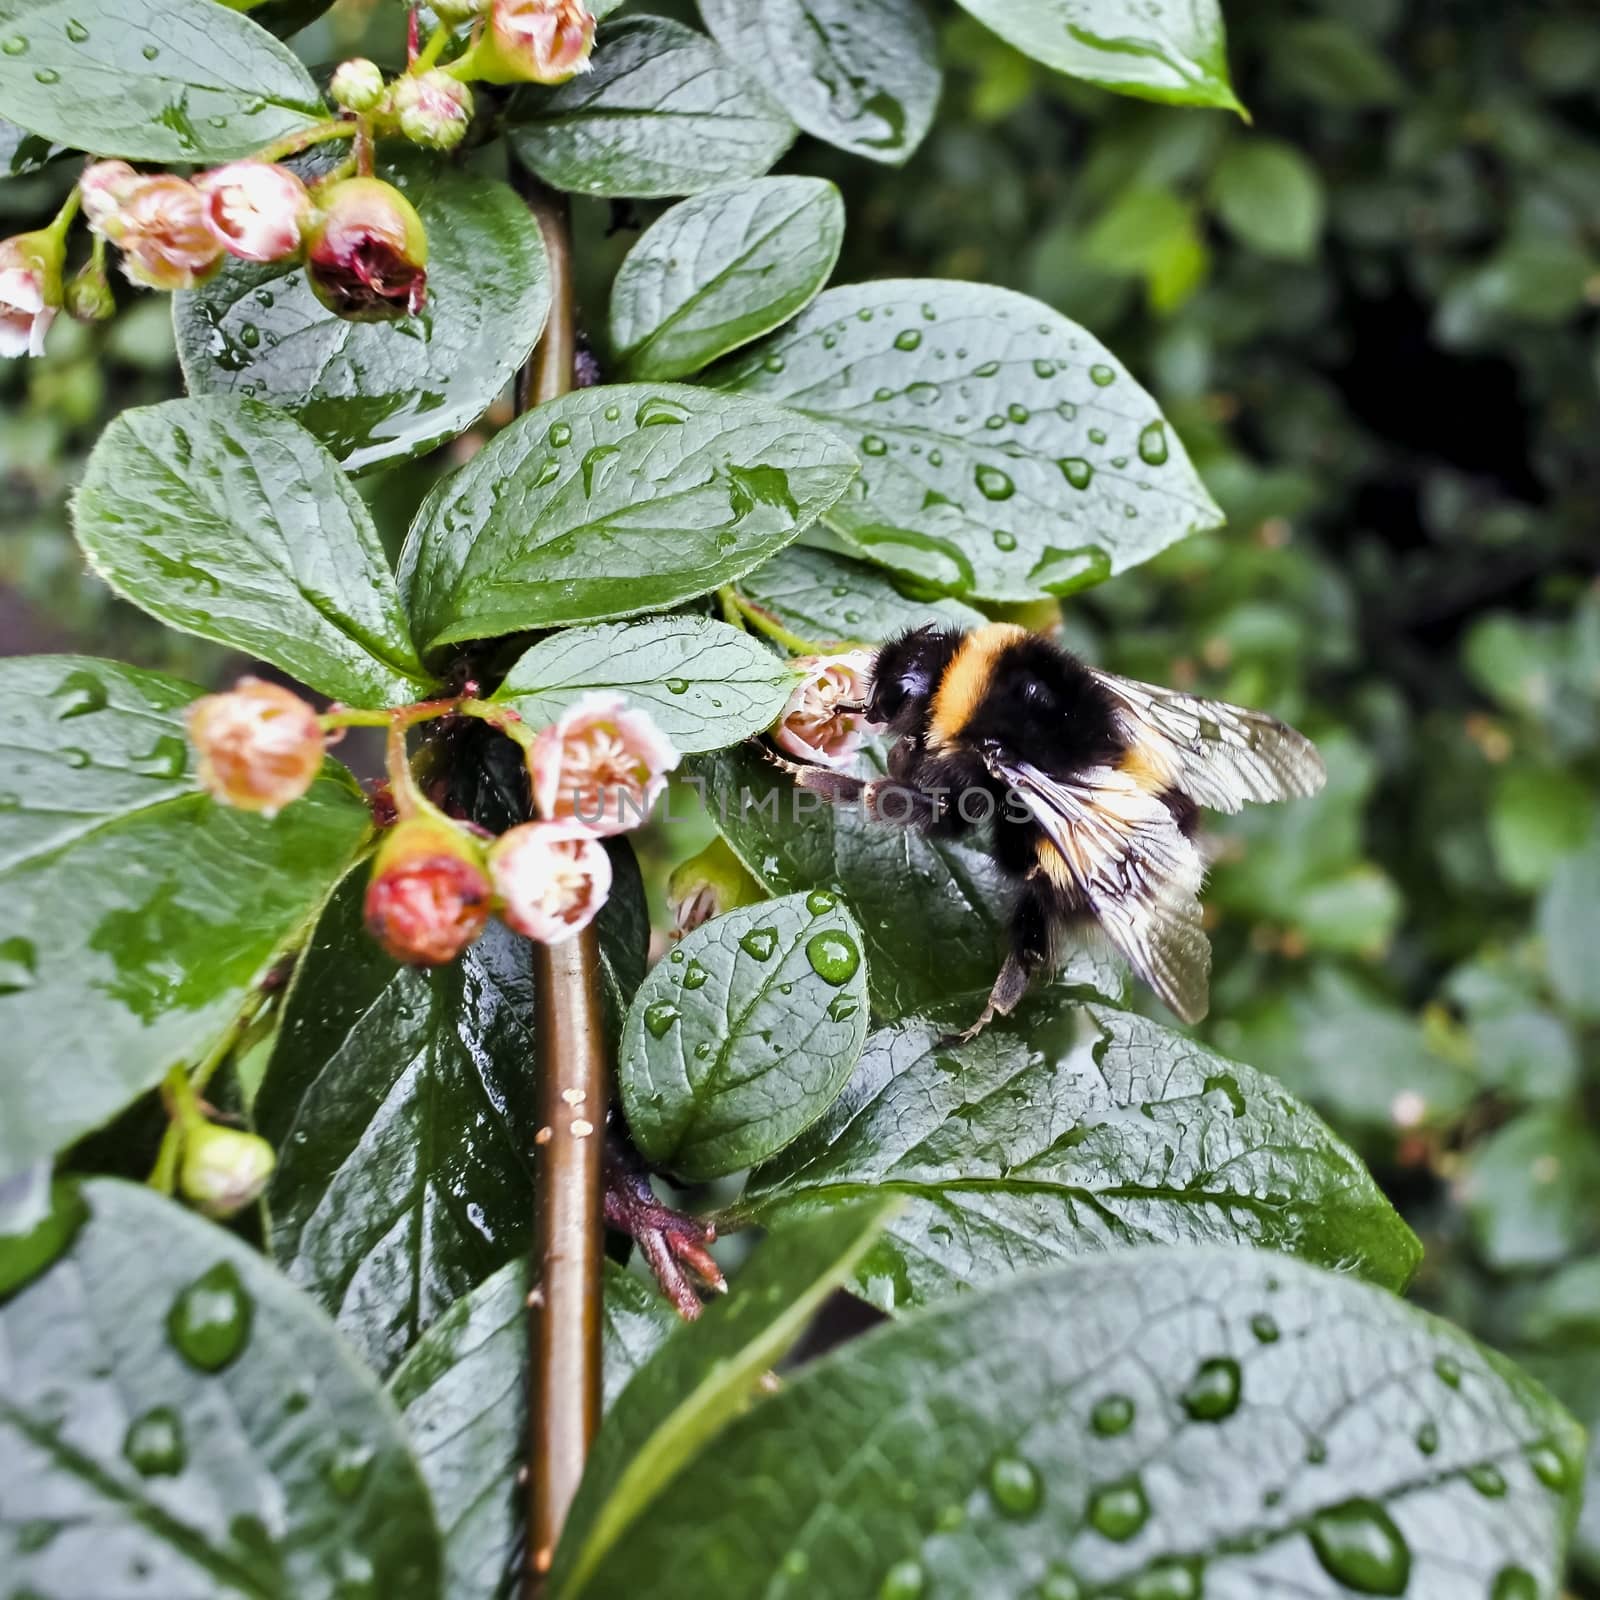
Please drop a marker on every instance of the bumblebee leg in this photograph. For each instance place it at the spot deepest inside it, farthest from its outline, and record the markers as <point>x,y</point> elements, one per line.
<point>1033,941</point>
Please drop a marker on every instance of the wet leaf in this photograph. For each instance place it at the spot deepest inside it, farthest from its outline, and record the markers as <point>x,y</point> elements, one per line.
<point>380,391</point>
<point>664,112</point>
<point>613,501</point>
<point>1066,1131</point>
<point>861,74</point>
<point>39,1214</point>
<point>951,893</point>
<point>1004,451</point>
<point>1271,197</point>
<point>721,269</point>
<point>150,80</point>
<point>178,1420</point>
<point>700,1379</point>
<point>1160,1423</point>
<point>226,519</point>
<point>462,1392</point>
<point>141,913</point>
<point>1174,52</point>
<point>705,684</point>
<point>830,599</point>
<point>744,1034</point>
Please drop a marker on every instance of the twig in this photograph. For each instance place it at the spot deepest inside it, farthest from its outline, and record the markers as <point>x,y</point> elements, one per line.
<point>569,1231</point>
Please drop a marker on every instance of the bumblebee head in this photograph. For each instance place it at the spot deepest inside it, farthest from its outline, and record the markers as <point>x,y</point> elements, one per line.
<point>906,674</point>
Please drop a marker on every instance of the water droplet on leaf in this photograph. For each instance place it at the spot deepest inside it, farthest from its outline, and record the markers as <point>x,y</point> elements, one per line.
<point>659,1017</point>
<point>833,956</point>
<point>760,943</point>
<point>905,1580</point>
<point>993,484</point>
<point>1153,444</point>
<point>1359,1546</point>
<point>1113,1414</point>
<point>1213,1392</point>
<point>907,339</point>
<point>1102,375</point>
<point>1014,1486</point>
<point>819,902</point>
<point>209,1322</point>
<point>154,1443</point>
<point>1119,1510</point>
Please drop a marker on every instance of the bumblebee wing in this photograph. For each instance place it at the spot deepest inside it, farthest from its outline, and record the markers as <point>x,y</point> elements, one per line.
<point>1219,755</point>
<point>1133,868</point>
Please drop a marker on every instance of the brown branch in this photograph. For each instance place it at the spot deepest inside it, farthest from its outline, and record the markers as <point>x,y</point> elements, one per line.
<point>566,1271</point>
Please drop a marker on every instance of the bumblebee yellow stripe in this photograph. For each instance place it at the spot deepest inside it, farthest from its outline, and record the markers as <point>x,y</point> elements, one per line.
<point>1148,762</point>
<point>967,678</point>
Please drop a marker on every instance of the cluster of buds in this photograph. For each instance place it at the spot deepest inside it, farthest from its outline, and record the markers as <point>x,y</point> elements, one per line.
<point>595,772</point>
<point>825,721</point>
<point>363,243</point>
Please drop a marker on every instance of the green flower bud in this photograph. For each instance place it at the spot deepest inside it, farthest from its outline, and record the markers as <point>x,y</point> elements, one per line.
<point>88,294</point>
<point>357,84</point>
<point>455,12</point>
<point>708,884</point>
<point>223,1169</point>
<point>431,109</point>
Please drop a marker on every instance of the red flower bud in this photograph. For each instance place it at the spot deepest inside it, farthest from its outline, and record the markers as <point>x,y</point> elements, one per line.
<point>255,210</point>
<point>260,745</point>
<point>429,896</point>
<point>366,257</point>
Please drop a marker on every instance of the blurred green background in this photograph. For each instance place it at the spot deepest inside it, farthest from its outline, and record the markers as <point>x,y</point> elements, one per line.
<point>1372,316</point>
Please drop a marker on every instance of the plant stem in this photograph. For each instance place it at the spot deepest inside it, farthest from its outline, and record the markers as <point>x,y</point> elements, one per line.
<point>566,1272</point>
<point>432,50</point>
<point>737,609</point>
<point>291,144</point>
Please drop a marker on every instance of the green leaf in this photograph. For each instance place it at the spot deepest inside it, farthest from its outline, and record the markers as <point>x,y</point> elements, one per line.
<point>226,519</point>
<point>744,1035</point>
<point>830,599</point>
<point>1005,452</point>
<point>1539,814</point>
<point>378,391</point>
<point>150,80</point>
<point>178,1420</point>
<point>664,112</point>
<point>463,1395</point>
<point>1067,1131</point>
<point>706,685</point>
<point>1159,1423</point>
<point>952,894</point>
<point>721,269</point>
<point>398,1101</point>
<point>1532,1190</point>
<point>861,74</point>
<point>1568,920</point>
<point>39,1215</point>
<point>613,501</point>
<point>141,914</point>
<point>23,153</point>
<point>699,1381</point>
<point>1327,61</point>
<point>1174,52</point>
<point>1271,198</point>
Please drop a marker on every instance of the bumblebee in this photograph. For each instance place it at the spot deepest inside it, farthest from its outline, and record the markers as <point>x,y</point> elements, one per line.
<point>1094,784</point>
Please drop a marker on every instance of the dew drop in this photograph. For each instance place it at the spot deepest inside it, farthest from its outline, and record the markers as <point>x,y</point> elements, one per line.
<point>150,52</point>
<point>16,45</point>
<point>74,757</point>
<point>613,413</point>
<point>598,466</point>
<point>559,436</point>
<point>1018,414</point>
<point>819,902</point>
<point>907,339</point>
<point>76,31</point>
<point>1213,1392</point>
<point>1153,444</point>
<point>1119,1510</point>
<point>925,394</point>
<point>1488,1480</point>
<point>994,422</point>
<point>1014,1486</point>
<point>1060,1585</point>
<point>1112,1414</point>
<point>209,1322</point>
<point>347,1467</point>
<point>249,335</point>
<point>842,1008</point>
<point>1514,1583</point>
<point>829,340</point>
<point>659,1017</point>
<point>1044,369</point>
<point>1550,1467</point>
<point>548,473</point>
<point>1004,540</point>
<point>19,965</point>
<point>154,1445</point>
<point>872,445</point>
<point>1359,1546</point>
<point>702,1051</point>
<point>905,1580</point>
<point>774,363</point>
<point>1102,375</point>
<point>1076,470</point>
<point>1428,1438</point>
<point>993,484</point>
<point>1097,436</point>
<point>987,370</point>
<point>833,956</point>
<point>1448,1372</point>
<point>79,694</point>
<point>47,75</point>
<point>760,943</point>
<point>1264,1328</point>
<point>694,976</point>
<point>1316,1451</point>
<point>1168,1580</point>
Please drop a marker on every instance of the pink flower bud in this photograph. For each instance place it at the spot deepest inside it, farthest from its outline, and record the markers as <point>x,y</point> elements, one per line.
<point>260,745</point>
<point>255,210</point>
<point>429,897</point>
<point>708,884</point>
<point>551,878</point>
<point>30,292</point>
<point>357,84</point>
<point>531,41</point>
<point>367,256</point>
<point>825,721</point>
<point>103,188</point>
<point>431,109</point>
<point>223,1169</point>
<point>601,764</point>
<point>166,240</point>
